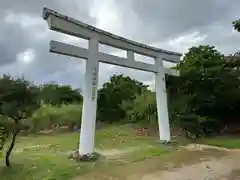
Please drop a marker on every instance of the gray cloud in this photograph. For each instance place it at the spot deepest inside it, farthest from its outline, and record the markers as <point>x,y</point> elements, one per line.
<point>12,42</point>
<point>222,36</point>
<point>78,9</point>
<point>164,19</point>
<point>15,39</point>
<point>156,21</point>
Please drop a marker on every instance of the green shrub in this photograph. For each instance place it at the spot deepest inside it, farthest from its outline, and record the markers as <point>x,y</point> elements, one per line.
<point>195,126</point>
<point>49,117</point>
<point>143,109</point>
<point>70,115</point>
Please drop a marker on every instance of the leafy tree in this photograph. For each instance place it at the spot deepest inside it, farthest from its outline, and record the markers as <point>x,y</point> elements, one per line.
<point>208,85</point>
<point>56,94</point>
<point>113,93</point>
<point>18,100</point>
<point>236,25</point>
<point>201,69</point>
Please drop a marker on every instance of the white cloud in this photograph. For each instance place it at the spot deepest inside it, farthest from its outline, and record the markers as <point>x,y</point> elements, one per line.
<point>26,57</point>
<point>184,42</point>
<point>24,20</point>
<point>107,15</point>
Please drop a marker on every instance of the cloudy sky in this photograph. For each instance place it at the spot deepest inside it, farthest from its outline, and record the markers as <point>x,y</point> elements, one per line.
<point>168,24</point>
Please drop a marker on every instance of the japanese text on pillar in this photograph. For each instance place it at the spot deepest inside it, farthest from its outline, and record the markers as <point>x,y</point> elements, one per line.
<point>94,83</point>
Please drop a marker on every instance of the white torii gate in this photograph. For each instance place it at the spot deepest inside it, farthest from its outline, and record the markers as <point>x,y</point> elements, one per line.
<point>64,24</point>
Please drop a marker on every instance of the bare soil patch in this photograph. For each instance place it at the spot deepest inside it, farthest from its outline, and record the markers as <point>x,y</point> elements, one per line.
<point>214,169</point>
<point>174,165</point>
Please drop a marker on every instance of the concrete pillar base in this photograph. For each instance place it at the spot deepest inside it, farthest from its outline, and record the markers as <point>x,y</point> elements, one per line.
<point>86,157</point>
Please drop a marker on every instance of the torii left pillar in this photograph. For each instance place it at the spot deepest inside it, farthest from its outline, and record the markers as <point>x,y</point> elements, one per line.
<point>87,134</point>
<point>162,105</point>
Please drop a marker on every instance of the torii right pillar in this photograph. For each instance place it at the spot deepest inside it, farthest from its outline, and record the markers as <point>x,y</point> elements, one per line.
<point>162,105</point>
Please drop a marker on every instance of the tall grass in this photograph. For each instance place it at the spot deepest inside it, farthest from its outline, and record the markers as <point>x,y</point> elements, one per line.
<point>48,117</point>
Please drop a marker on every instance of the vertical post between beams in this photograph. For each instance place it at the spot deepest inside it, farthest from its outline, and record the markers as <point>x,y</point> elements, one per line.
<point>130,55</point>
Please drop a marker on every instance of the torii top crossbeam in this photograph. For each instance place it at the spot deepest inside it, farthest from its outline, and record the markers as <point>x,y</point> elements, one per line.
<point>62,23</point>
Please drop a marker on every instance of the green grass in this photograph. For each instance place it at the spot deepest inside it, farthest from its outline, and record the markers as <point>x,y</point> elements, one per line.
<point>50,162</point>
<point>226,142</point>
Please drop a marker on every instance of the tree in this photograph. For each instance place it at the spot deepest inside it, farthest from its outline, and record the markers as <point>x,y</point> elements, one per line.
<point>236,25</point>
<point>18,100</point>
<point>56,94</point>
<point>201,69</point>
<point>113,93</point>
<point>210,82</point>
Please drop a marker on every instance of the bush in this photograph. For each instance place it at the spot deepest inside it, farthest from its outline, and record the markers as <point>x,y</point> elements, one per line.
<point>70,115</point>
<point>177,105</point>
<point>49,117</point>
<point>143,109</point>
<point>195,126</point>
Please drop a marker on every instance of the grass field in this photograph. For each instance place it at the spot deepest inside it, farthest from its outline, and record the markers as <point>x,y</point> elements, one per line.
<point>230,142</point>
<point>45,157</point>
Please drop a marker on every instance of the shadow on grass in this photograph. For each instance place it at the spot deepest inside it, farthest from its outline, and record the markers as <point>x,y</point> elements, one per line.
<point>11,172</point>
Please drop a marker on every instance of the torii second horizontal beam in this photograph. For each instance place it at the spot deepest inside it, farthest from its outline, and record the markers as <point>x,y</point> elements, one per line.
<point>75,51</point>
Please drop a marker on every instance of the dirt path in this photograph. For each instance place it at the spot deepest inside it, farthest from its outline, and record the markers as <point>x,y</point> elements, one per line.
<point>215,169</point>
<point>194,164</point>
<point>225,168</point>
